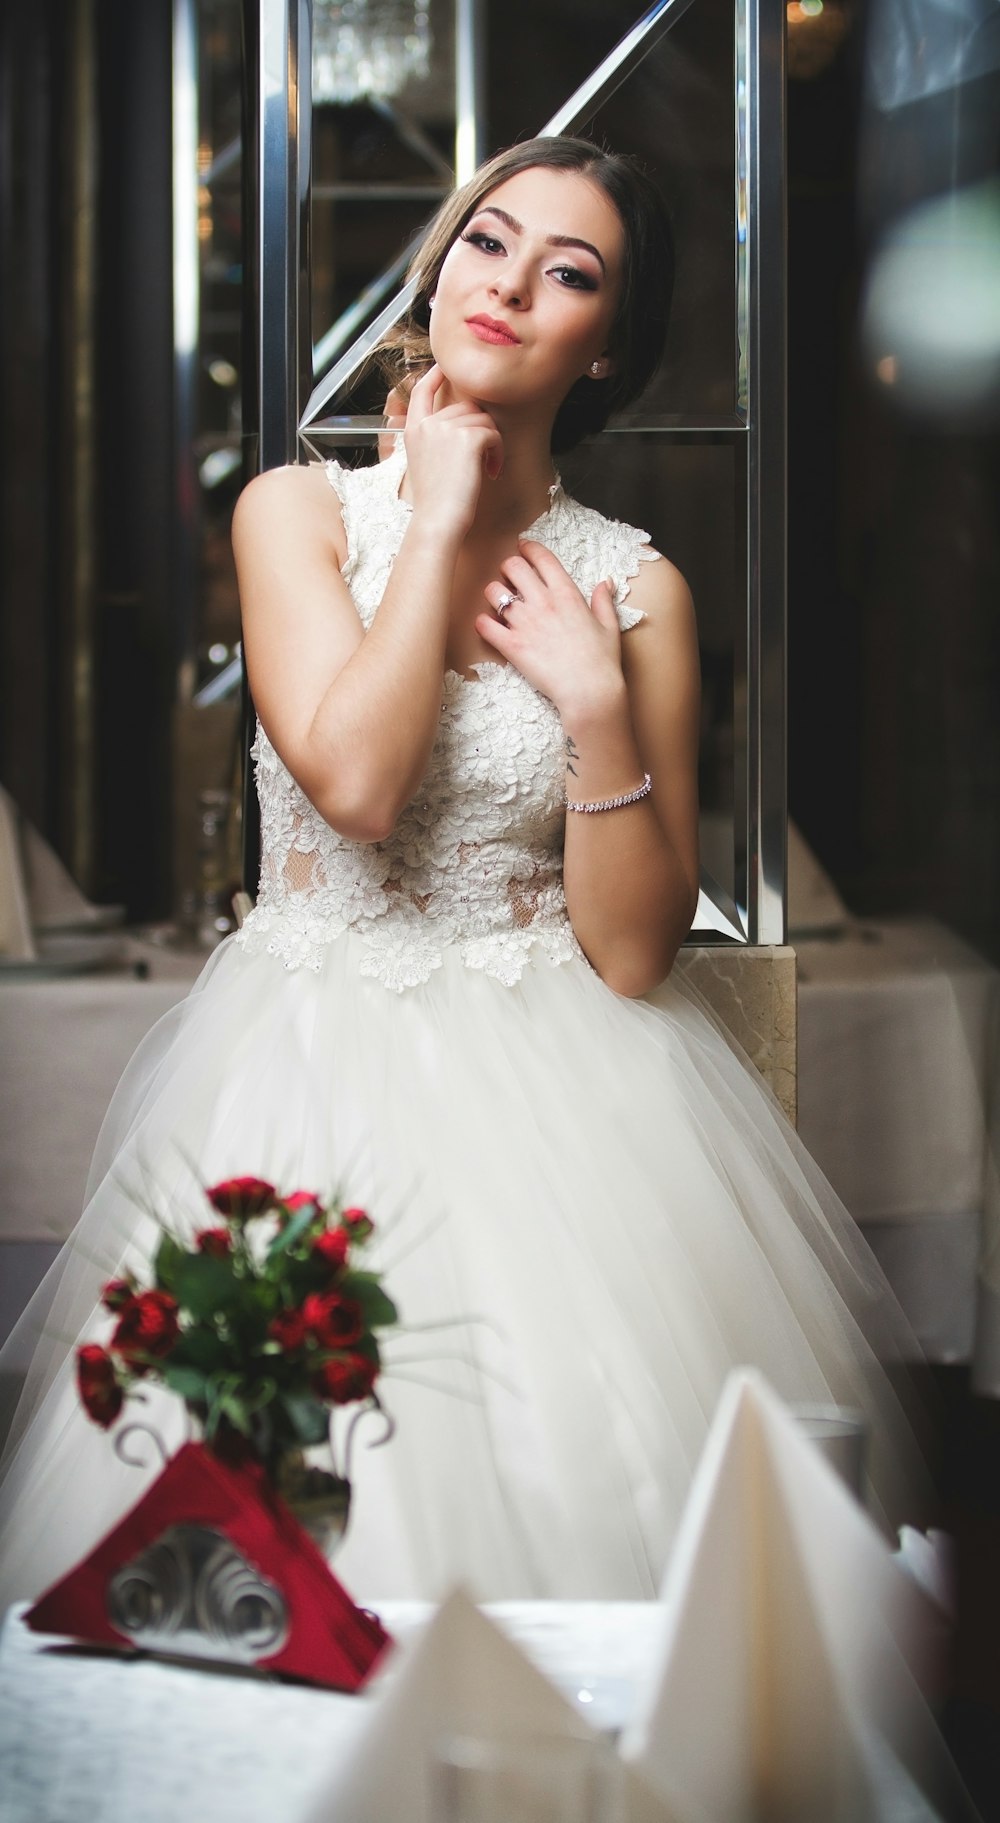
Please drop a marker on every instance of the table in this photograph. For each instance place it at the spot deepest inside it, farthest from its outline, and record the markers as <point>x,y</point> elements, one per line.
<point>899,1103</point>
<point>91,1736</point>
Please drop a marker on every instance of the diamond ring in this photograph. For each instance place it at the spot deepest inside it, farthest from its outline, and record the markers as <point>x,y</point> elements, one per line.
<point>505,603</point>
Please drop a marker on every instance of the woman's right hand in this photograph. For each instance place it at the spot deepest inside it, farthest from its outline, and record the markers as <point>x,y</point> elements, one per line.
<point>449,449</point>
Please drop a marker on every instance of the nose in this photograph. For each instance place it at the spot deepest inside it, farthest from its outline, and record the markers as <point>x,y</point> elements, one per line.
<point>511,285</point>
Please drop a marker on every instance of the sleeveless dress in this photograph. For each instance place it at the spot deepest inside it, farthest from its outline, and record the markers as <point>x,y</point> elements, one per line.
<point>589,1207</point>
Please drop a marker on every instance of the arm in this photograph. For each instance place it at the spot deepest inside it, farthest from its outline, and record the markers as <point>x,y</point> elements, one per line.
<point>627,706</point>
<point>631,875</point>
<point>353,715</point>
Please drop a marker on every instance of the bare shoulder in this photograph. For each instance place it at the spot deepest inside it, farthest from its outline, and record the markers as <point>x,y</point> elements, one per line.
<point>290,504</point>
<point>668,634</point>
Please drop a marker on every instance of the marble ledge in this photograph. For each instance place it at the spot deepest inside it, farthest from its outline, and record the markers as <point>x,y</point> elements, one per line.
<point>752,992</point>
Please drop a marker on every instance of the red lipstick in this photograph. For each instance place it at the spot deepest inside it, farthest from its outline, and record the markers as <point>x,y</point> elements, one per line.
<point>490,329</point>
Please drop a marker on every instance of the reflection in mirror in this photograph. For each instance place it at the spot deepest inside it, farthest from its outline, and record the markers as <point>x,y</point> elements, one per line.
<point>676,462</point>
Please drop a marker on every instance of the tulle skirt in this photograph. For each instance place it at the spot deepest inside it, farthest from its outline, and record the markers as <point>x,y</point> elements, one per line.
<point>589,1211</point>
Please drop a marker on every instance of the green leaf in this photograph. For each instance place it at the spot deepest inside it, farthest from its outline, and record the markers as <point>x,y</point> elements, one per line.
<point>231,1406</point>
<point>189,1382</point>
<point>377,1307</point>
<point>293,1231</point>
<point>205,1286</point>
<point>167,1263</point>
<point>200,1347</point>
<point>309,1419</point>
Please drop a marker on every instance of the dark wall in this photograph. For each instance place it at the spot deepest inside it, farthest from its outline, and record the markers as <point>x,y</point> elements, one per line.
<point>894,555</point>
<point>32,271</point>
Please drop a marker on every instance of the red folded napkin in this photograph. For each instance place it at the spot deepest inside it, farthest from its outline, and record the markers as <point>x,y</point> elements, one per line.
<point>328,1639</point>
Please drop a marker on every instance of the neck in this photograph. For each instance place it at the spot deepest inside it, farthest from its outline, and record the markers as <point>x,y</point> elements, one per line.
<point>520,493</point>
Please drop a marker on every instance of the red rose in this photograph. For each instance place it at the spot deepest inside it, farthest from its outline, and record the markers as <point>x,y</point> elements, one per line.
<point>241,1197</point>
<point>217,1242</point>
<point>288,1328</point>
<point>333,1321</point>
<point>147,1326</point>
<point>345,1378</point>
<point>358,1223</point>
<point>117,1293</point>
<point>98,1384</point>
<point>331,1247</point>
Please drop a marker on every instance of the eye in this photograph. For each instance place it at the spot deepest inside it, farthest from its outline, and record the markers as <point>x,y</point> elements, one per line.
<point>487,243</point>
<point>575,278</point>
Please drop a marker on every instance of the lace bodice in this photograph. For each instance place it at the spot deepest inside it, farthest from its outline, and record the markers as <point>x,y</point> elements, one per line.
<point>475,860</point>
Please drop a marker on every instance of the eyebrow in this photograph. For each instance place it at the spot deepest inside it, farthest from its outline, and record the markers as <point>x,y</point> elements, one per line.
<point>551,240</point>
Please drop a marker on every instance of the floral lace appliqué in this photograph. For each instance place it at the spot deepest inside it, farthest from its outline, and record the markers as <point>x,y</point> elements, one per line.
<point>475,860</point>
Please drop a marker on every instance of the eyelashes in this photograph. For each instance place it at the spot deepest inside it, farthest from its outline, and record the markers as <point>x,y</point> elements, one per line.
<point>487,243</point>
<point>572,277</point>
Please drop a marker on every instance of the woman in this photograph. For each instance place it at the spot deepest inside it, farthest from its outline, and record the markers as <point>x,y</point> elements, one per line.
<point>476,764</point>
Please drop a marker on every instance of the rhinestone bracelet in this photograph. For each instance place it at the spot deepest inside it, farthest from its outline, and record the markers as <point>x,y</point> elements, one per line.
<point>629,797</point>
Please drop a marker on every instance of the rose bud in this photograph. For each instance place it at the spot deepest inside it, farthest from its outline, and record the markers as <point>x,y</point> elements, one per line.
<point>217,1242</point>
<point>117,1293</point>
<point>346,1378</point>
<point>333,1321</point>
<point>147,1326</point>
<point>97,1381</point>
<point>301,1199</point>
<point>358,1223</point>
<point>242,1197</point>
<point>331,1248</point>
<point>288,1328</point>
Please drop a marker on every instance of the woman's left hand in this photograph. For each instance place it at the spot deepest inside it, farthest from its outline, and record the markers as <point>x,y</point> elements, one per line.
<point>567,650</point>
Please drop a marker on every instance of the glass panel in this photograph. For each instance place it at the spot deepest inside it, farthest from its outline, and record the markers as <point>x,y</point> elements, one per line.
<point>675,113</point>
<point>687,498</point>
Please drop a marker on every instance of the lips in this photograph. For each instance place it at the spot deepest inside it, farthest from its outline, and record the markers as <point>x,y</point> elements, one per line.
<point>490,329</point>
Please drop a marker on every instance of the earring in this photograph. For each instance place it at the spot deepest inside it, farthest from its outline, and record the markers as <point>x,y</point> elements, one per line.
<point>595,368</point>
<point>430,303</point>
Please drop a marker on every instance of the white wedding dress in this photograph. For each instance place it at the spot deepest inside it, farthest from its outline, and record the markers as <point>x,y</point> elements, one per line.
<point>593,1196</point>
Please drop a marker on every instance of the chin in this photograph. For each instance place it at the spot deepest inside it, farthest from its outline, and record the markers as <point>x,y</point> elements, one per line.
<point>478,373</point>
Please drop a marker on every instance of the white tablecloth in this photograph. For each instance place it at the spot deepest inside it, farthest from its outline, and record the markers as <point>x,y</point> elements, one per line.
<point>63,1045</point>
<point>899,1029</point>
<point>89,1738</point>
<point>899,1103</point>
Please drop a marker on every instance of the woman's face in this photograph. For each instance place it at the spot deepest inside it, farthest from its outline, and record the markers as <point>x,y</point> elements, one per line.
<point>527,295</point>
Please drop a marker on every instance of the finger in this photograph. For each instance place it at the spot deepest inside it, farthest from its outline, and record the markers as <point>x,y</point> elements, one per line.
<point>493,460</point>
<point>543,560</point>
<point>519,575</point>
<point>395,409</point>
<point>602,604</point>
<point>424,394</point>
<point>493,631</point>
<point>502,599</point>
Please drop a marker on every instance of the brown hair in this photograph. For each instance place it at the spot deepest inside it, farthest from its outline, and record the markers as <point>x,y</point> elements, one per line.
<point>640,326</point>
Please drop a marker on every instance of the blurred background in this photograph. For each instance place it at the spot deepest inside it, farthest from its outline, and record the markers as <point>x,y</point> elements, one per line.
<point>123,423</point>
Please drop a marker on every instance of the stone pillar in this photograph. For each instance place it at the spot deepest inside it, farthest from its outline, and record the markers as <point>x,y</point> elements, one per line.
<point>753,993</point>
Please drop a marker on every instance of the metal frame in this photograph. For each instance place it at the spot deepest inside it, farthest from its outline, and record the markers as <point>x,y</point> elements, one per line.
<point>283,378</point>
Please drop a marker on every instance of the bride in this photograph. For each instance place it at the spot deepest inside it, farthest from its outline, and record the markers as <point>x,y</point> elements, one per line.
<point>476,762</point>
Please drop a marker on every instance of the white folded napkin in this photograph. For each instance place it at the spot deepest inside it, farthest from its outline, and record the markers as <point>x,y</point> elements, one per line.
<point>54,897</point>
<point>16,939</point>
<point>814,904</point>
<point>795,1650</point>
<point>460,1676</point>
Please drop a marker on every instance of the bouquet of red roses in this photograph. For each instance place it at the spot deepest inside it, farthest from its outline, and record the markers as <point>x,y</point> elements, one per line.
<point>263,1324</point>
